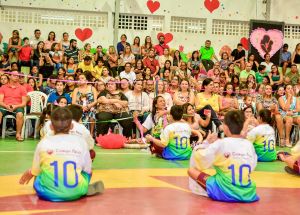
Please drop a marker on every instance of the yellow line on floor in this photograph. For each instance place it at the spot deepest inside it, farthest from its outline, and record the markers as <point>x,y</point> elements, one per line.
<point>137,178</point>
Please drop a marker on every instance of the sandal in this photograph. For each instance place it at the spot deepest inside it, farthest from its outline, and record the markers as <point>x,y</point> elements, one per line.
<point>282,142</point>
<point>19,139</point>
<point>288,144</point>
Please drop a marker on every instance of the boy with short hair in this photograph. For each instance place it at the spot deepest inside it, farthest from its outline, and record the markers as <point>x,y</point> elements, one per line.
<point>59,86</point>
<point>62,164</point>
<point>77,128</point>
<point>233,158</point>
<point>174,143</point>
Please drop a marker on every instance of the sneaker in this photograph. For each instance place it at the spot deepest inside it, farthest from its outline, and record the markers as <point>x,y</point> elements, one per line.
<point>95,188</point>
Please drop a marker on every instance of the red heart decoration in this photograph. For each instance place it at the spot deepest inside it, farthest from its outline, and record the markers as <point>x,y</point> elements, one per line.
<point>168,37</point>
<point>83,34</point>
<point>245,42</point>
<point>211,5</point>
<point>153,6</point>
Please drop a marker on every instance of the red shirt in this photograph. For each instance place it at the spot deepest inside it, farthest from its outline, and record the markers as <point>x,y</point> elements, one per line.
<point>159,49</point>
<point>12,94</point>
<point>25,53</point>
<point>152,64</point>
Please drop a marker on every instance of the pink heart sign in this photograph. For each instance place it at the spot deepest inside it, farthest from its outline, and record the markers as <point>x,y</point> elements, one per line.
<point>83,34</point>
<point>266,41</point>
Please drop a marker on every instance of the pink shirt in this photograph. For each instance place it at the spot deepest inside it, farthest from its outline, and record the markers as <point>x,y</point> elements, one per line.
<point>13,94</point>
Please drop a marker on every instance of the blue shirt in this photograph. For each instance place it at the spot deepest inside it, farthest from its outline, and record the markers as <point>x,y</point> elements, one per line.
<point>285,56</point>
<point>54,96</point>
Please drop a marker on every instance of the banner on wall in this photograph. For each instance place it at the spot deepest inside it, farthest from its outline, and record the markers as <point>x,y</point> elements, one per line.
<point>266,37</point>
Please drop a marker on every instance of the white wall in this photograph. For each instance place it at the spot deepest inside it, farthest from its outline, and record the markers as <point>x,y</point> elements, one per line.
<point>239,10</point>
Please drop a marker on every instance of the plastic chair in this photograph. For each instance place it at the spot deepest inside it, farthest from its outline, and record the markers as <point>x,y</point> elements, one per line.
<point>38,103</point>
<point>4,120</point>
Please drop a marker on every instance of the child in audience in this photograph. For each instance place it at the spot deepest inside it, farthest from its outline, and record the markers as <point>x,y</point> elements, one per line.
<point>263,137</point>
<point>70,66</point>
<point>233,158</point>
<point>62,164</point>
<point>174,142</point>
<point>292,160</point>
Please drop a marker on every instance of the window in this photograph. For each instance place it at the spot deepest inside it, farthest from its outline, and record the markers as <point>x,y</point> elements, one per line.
<point>141,23</point>
<point>49,17</point>
<point>292,31</point>
<point>188,25</point>
<point>230,27</point>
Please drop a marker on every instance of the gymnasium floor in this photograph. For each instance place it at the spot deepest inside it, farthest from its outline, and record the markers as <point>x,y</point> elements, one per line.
<point>138,183</point>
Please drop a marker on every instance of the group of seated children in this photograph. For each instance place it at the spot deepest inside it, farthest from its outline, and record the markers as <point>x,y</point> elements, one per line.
<point>62,161</point>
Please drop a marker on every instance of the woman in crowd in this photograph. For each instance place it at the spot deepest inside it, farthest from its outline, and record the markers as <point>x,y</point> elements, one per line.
<point>254,63</point>
<point>276,77</point>
<point>174,86</point>
<point>87,52</point>
<point>268,101</point>
<point>139,69</point>
<point>113,104</point>
<point>48,43</point>
<point>289,106</point>
<point>37,53</point>
<point>126,57</point>
<point>296,56</point>
<point>206,102</point>
<point>99,86</point>
<point>184,94</point>
<point>65,42</point>
<point>113,60</point>
<point>147,46</point>
<point>161,91</point>
<point>167,66</point>
<point>86,96</point>
<point>194,63</point>
<point>136,48</point>
<point>125,86</point>
<point>228,101</point>
<point>70,85</point>
<point>14,44</point>
<point>163,58</point>
<point>176,58</point>
<point>225,62</point>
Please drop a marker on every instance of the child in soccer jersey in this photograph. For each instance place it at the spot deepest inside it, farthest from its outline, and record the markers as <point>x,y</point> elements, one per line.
<point>292,160</point>
<point>174,141</point>
<point>77,128</point>
<point>233,158</point>
<point>263,137</point>
<point>62,164</point>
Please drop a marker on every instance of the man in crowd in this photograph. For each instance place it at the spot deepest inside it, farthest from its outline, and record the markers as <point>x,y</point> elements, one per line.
<point>128,73</point>
<point>285,58</point>
<point>159,48</point>
<point>238,56</point>
<point>12,102</point>
<point>36,38</point>
<point>151,63</point>
<point>72,51</point>
<point>207,54</point>
<point>245,73</point>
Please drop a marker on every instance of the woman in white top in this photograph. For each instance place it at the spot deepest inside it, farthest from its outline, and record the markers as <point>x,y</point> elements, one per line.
<point>184,94</point>
<point>65,42</point>
<point>267,63</point>
<point>166,56</point>
<point>161,92</point>
<point>137,99</point>
<point>127,56</point>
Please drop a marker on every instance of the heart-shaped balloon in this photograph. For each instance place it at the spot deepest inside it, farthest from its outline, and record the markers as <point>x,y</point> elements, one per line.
<point>245,42</point>
<point>266,41</point>
<point>168,37</point>
<point>153,5</point>
<point>211,5</point>
<point>83,34</point>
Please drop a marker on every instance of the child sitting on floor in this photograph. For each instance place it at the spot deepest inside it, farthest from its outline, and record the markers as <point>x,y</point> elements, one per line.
<point>292,160</point>
<point>62,164</point>
<point>174,143</point>
<point>76,129</point>
<point>263,137</point>
<point>233,158</point>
